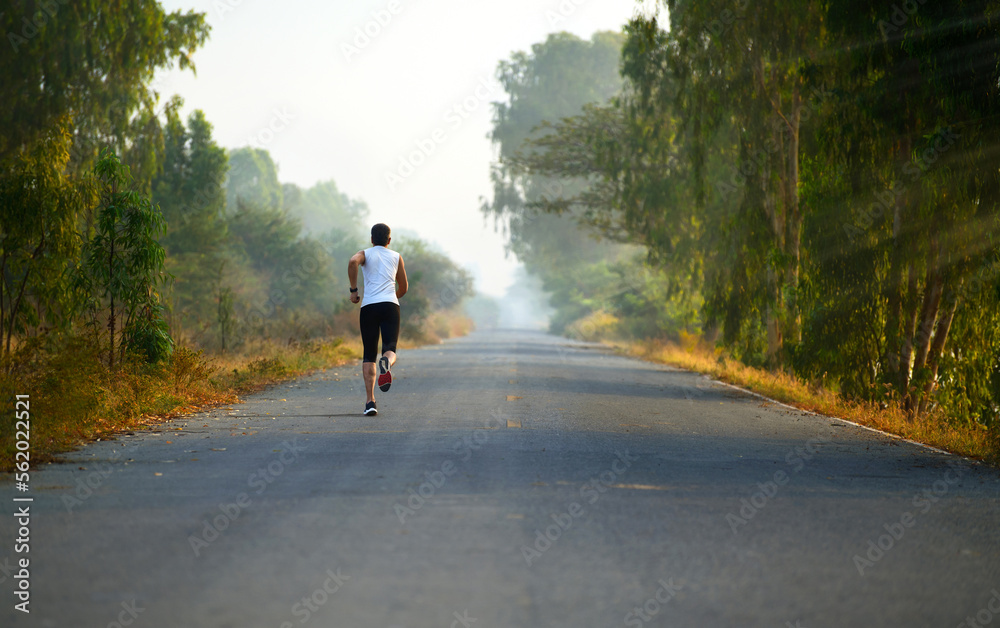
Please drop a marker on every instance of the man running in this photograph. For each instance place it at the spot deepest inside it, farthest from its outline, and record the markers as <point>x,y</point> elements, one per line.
<point>385,283</point>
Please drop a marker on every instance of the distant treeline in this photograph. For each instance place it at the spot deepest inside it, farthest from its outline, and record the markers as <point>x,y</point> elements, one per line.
<point>813,185</point>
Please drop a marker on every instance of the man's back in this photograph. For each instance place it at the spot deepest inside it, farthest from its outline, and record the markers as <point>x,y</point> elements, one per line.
<point>380,268</point>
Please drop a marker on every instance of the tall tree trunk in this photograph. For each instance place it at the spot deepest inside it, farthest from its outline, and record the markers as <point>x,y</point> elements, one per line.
<point>111,283</point>
<point>893,324</point>
<point>950,301</point>
<point>793,219</point>
<point>772,205</point>
<point>4,290</point>
<point>774,208</point>
<point>775,341</point>
<point>895,334</point>
<point>111,326</point>
<point>909,325</point>
<point>928,314</point>
<point>111,317</point>
<point>16,305</point>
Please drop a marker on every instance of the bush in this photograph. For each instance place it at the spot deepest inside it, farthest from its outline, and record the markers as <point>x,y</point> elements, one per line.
<point>599,325</point>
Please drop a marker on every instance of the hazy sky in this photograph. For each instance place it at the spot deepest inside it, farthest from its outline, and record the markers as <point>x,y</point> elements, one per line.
<point>358,91</point>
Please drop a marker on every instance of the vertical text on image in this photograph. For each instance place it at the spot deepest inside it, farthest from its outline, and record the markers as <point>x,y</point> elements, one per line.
<point>22,505</point>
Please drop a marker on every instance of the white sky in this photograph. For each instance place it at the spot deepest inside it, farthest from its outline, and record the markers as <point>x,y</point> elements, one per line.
<point>353,117</point>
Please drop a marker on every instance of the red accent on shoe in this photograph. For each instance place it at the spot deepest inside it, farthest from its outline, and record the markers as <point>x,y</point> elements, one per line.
<point>385,374</point>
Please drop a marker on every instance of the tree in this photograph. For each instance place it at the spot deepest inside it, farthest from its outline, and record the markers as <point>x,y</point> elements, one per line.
<point>190,192</point>
<point>323,208</point>
<point>555,80</point>
<point>436,283</point>
<point>755,68</point>
<point>253,178</point>
<point>74,77</point>
<point>616,169</point>
<point>828,176</point>
<point>224,307</point>
<point>190,186</point>
<point>123,265</point>
<point>91,60</point>
<point>39,208</point>
<point>921,173</point>
<point>287,280</point>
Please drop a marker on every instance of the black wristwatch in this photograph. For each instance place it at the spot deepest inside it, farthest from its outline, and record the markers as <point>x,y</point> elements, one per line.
<point>354,289</point>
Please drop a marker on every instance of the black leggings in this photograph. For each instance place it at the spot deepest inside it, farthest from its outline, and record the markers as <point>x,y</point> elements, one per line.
<point>375,318</point>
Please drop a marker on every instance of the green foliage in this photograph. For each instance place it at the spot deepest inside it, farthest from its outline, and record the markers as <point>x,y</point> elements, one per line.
<point>236,233</point>
<point>148,335</point>
<point>190,187</point>
<point>823,184</point>
<point>224,313</point>
<point>324,208</point>
<point>76,77</point>
<point>189,190</point>
<point>93,61</point>
<point>124,265</point>
<point>970,385</point>
<point>39,208</point>
<point>922,189</point>
<point>188,367</point>
<point>282,283</point>
<point>265,233</point>
<point>105,191</point>
<point>436,284</point>
<point>556,79</point>
<point>253,180</point>
<point>271,255</point>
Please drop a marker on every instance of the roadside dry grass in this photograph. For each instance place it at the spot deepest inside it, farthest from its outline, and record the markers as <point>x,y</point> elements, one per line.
<point>75,398</point>
<point>933,429</point>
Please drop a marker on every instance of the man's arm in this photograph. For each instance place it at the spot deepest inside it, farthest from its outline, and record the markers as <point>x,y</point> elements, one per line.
<point>401,284</point>
<point>358,259</point>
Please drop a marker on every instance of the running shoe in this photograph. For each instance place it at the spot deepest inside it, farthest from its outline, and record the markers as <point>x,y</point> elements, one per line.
<point>370,409</point>
<point>384,374</point>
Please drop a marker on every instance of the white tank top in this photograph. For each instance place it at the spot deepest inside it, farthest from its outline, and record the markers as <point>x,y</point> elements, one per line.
<point>379,272</point>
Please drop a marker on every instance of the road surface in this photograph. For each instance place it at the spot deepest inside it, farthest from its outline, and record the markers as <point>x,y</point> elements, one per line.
<point>510,479</point>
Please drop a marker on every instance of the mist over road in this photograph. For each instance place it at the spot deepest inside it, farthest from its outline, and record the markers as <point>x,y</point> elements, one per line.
<point>510,479</point>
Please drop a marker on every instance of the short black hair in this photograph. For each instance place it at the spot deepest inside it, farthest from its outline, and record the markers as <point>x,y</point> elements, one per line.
<point>380,234</point>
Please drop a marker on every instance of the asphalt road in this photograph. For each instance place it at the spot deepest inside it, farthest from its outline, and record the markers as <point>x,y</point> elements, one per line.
<point>510,479</point>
